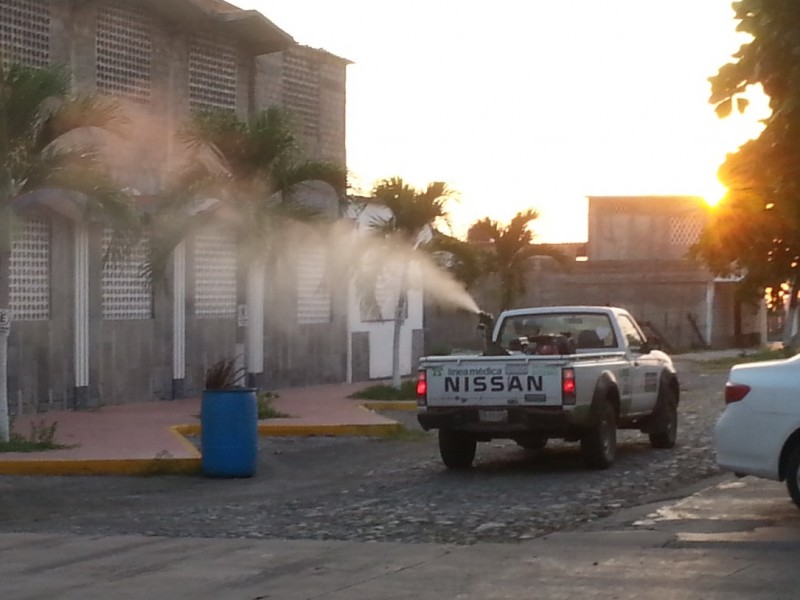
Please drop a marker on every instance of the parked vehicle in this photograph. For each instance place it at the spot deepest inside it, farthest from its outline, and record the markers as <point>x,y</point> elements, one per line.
<point>576,373</point>
<point>758,433</point>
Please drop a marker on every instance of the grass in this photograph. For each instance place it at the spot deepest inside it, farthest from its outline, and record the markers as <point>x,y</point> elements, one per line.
<point>265,408</point>
<point>41,437</point>
<point>723,364</point>
<point>406,435</point>
<point>382,391</point>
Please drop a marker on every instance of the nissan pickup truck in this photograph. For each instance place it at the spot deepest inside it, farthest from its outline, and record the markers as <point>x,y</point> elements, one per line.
<point>577,373</point>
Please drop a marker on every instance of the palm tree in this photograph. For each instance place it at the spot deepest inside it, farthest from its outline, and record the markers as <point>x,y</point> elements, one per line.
<point>253,168</point>
<point>507,248</point>
<point>46,142</point>
<point>398,240</point>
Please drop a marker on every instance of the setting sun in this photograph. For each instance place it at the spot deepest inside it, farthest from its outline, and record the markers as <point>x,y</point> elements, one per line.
<point>531,105</point>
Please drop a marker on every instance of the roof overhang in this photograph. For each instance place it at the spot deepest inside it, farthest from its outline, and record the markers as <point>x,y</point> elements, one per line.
<point>254,30</point>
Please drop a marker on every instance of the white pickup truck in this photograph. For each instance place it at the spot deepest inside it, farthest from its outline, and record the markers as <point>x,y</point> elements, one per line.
<point>576,373</point>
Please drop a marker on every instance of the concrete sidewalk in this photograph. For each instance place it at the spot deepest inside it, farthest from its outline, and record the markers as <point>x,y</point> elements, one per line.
<point>149,437</point>
<point>732,540</point>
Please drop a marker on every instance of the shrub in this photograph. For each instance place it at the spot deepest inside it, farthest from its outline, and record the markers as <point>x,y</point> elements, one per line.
<point>41,437</point>
<point>382,391</point>
<point>265,408</point>
<point>223,375</point>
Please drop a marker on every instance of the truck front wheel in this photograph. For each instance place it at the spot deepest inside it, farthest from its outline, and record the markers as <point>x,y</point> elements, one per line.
<point>665,416</point>
<point>456,448</point>
<point>599,444</point>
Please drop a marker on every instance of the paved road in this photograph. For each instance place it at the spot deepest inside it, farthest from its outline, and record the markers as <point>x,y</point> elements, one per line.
<point>332,518</point>
<point>737,540</point>
<point>392,490</point>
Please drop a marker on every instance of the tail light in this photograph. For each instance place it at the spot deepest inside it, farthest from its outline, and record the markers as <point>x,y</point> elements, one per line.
<point>735,392</point>
<point>422,389</point>
<point>568,386</point>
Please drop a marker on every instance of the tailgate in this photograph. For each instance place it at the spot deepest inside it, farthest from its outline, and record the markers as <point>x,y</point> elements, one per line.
<point>519,383</point>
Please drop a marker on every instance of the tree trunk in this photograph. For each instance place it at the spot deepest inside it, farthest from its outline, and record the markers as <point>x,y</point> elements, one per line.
<point>5,293</point>
<point>790,320</point>
<point>399,312</point>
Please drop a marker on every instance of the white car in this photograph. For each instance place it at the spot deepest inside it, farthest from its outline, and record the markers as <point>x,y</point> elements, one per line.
<point>759,431</point>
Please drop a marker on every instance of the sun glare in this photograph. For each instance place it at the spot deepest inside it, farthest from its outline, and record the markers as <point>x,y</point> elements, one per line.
<point>593,121</point>
<point>714,194</point>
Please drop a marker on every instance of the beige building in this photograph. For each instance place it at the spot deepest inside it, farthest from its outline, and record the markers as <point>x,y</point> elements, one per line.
<point>636,257</point>
<point>85,332</point>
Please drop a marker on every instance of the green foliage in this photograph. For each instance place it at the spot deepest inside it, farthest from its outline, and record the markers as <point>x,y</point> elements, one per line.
<point>505,249</point>
<point>47,141</point>
<point>412,209</point>
<point>440,351</point>
<point>755,232</point>
<point>380,391</point>
<point>406,435</point>
<point>224,375</point>
<point>40,438</point>
<point>724,364</point>
<point>265,408</point>
<point>461,259</point>
<point>252,168</point>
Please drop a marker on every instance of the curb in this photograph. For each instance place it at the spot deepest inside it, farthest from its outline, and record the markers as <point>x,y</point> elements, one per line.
<point>190,465</point>
<point>289,430</point>
<point>390,404</point>
<point>124,466</point>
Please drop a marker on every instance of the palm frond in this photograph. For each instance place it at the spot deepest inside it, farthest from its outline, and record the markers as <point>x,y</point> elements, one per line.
<point>23,91</point>
<point>331,173</point>
<point>83,112</point>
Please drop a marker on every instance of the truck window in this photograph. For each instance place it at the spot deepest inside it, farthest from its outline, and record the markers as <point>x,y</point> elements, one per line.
<point>589,331</point>
<point>633,337</point>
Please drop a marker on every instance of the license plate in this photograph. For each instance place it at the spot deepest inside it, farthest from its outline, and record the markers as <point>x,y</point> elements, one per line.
<point>493,416</point>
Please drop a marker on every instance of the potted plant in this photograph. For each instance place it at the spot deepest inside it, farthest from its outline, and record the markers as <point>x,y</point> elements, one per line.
<point>229,423</point>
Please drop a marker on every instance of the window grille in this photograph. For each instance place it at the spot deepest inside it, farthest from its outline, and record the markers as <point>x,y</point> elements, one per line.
<point>215,275</point>
<point>212,74</point>
<point>685,231</point>
<point>124,51</point>
<point>25,32</point>
<point>301,92</point>
<point>126,293</point>
<point>29,275</point>
<point>313,287</point>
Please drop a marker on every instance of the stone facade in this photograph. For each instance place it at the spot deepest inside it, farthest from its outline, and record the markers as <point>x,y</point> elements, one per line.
<point>162,59</point>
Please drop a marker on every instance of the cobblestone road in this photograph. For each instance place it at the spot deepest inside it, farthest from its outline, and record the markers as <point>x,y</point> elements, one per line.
<point>387,490</point>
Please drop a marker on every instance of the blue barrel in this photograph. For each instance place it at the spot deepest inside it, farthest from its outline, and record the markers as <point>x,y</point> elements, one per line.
<point>229,433</point>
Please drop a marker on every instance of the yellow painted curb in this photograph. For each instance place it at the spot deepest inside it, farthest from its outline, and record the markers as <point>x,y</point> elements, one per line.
<point>390,404</point>
<point>183,430</point>
<point>192,466</point>
<point>133,466</point>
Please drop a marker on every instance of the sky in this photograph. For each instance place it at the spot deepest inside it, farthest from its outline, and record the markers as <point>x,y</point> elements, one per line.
<point>521,104</point>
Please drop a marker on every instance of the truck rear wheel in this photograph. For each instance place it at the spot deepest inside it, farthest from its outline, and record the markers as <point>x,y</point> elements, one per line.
<point>665,416</point>
<point>599,444</point>
<point>456,448</point>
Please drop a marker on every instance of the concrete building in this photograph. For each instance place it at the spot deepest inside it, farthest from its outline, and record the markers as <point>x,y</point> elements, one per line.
<point>86,332</point>
<point>636,257</point>
<point>371,314</point>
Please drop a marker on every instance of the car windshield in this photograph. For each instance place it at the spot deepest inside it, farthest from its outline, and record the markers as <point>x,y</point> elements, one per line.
<point>586,330</point>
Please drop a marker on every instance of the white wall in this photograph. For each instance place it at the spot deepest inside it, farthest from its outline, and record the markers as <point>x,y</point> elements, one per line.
<point>381,332</point>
